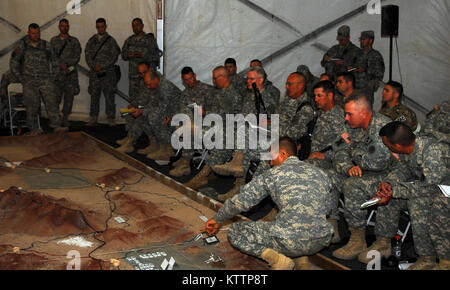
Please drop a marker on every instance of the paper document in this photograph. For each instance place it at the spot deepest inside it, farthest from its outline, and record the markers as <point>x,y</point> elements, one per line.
<point>445,189</point>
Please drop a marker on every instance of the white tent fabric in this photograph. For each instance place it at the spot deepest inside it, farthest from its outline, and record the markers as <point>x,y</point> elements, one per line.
<point>202,34</point>
<point>118,15</point>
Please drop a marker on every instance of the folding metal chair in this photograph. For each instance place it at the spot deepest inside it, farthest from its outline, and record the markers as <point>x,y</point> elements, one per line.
<point>15,107</point>
<point>399,232</point>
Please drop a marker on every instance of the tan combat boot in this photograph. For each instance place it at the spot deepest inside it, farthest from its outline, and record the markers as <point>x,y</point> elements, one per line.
<point>424,263</point>
<point>201,179</point>
<point>182,167</point>
<point>92,121</point>
<point>232,168</point>
<point>152,147</point>
<point>336,237</point>
<point>232,192</point>
<point>164,153</point>
<point>301,263</point>
<point>382,245</point>
<point>122,141</point>
<point>355,246</point>
<point>127,146</point>
<point>442,265</point>
<point>277,261</point>
<point>271,215</point>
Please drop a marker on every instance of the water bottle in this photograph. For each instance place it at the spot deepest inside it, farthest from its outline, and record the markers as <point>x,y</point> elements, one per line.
<point>397,247</point>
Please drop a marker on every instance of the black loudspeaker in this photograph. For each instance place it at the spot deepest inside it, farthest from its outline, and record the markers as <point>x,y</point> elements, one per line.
<point>389,20</point>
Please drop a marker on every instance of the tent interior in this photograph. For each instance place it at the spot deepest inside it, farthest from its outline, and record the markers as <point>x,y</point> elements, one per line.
<point>282,33</point>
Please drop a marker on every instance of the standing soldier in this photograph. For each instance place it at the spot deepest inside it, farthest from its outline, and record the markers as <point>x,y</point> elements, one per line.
<point>102,53</point>
<point>138,48</point>
<point>68,50</point>
<point>36,66</point>
<point>370,73</point>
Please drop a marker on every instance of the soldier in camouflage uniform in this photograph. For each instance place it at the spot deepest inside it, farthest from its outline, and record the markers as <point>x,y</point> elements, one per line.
<point>36,66</point>
<point>329,125</point>
<point>7,79</point>
<point>343,56</point>
<point>371,72</point>
<point>236,80</point>
<point>311,80</point>
<point>136,122</point>
<point>102,52</point>
<point>159,111</point>
<point>138,48</point>
<point>367,161</point>
<point>393,108</point>
<point>68,50</point>
<point>300,228</point>
<point>240,163</point>
<point>424,163</point>
<point>195,92</point>
<point>226,100</point>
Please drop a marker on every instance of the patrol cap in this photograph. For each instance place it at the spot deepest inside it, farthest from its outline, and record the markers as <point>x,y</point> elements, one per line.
<point>367,34</point>
<point>303,69</point>
<point>343,32</point>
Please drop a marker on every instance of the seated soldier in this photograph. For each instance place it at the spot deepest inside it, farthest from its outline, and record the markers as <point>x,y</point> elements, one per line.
<point>345,84</point>
<point>195,92</point>
<point>424,165</point>
<point>311,79</point>
<point>236,80</point>
<point>393,107</point>
<point>300,228</point>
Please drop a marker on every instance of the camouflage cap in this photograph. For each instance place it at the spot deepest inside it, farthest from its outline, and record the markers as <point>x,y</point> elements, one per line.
<point>343,32</point>
<point>367,34</point>
<point>303,69</point>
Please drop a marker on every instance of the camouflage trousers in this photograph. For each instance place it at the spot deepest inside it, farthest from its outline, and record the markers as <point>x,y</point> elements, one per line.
<point>68,88</point>
<point>33,90</point>
<point>137,126</point>
<point>336,180</point>
<point>156,128</point>
<point>439,228</point>
<point>253,238</point>
<point>107,85</point>
<point>133,90</point>
<point>358,190</point>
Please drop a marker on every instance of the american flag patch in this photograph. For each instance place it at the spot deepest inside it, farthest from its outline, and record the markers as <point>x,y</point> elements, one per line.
<point>346,137</point>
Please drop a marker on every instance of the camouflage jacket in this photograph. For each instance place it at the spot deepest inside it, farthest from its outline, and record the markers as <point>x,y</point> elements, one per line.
<point>351,55</point>
<point>299,191</point>
<point>107,55</point>
<point>366,149</point>
<point>401,113</point>
<point>29,62</point>
<point>162,100</point>
<point>144,96</point>
<point>145,45</point>
<point>225,101</point>
<point>270,96</point>
<point>69,53</point>
<point>239,83</point>
<point>293,122</point>
<point>438,121</point>
<point>420,171</point>
<point>329,126</point>
<point>201,95</point>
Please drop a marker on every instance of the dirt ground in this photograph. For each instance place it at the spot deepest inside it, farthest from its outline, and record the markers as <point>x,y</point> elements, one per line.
<point>67,187</point>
